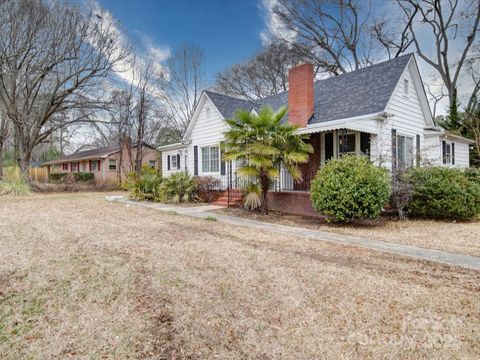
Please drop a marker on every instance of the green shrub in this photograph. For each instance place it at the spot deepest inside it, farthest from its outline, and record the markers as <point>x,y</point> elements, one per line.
<point>83,176</point>
<point>473,174</point>
<point>14,187</point>
<point>146,186</point>
<point>57,176</point>
<point>443,193</point>
<point>350,188</point>
<point>179,187</point>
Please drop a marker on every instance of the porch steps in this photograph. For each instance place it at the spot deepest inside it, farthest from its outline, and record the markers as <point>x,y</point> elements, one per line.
<point>235,200</point>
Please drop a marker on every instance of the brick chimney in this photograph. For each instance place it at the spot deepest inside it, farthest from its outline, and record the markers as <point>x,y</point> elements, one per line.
<point>300,94</point>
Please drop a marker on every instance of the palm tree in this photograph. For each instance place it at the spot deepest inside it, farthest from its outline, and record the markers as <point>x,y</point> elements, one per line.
<point>263,144</point>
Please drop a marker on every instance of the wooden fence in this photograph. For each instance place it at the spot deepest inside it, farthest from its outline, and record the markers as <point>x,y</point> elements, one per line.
<point>36,174</point>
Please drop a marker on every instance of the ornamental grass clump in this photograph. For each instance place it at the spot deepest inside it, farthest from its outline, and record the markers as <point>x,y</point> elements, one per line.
<point>350,188</point>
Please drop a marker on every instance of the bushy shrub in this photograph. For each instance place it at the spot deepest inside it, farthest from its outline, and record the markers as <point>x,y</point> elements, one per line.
<point>146,186</point>
<point>179,187</point>
<point>443,193</point>
<point>205,188</point>
<point>83,176</point>
<point>473,174</point>
<point>57,176</point>
<point>350,188</point>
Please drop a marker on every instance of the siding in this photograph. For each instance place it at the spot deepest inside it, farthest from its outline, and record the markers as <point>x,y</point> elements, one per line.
<point>462,155</point>
<point>408,118</point>
<point>207,131</point>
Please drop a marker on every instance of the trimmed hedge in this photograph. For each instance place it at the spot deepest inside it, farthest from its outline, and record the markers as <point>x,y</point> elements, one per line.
<point>83,176</point>
<point>444,193</point>
<point>57,176</point>
<point>350,188</point>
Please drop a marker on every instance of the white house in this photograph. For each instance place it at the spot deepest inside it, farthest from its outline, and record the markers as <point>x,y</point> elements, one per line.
<point>381,111</point>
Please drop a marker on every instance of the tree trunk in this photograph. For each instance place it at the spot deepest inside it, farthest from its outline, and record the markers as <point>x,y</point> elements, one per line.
<point>24,165</point>
<point>1,160</point>
<point>265,184</point>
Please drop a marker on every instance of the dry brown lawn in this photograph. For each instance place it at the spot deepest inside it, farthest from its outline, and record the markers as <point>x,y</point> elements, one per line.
<point>456,237</point>
<point>84,278</point>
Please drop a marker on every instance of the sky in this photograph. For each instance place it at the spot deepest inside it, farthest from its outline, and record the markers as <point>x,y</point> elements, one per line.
<point>228,31</point>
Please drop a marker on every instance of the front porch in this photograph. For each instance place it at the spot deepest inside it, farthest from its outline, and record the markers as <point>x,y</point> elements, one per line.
<point>326,145</point>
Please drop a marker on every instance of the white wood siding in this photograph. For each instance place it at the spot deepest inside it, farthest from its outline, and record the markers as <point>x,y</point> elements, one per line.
<point>408,118</point>
<point>207,131</point>
<point>171,153</point>
<point>462,155</point>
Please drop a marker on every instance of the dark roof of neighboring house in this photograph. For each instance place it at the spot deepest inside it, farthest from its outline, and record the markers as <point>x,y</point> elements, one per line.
<point>98,153</point>
<point>361,92</point>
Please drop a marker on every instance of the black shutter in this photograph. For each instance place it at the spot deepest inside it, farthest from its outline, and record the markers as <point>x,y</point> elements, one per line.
<point>444,151</point>
<point>178,161</point>
<point>222,162</point>
<point>195,160</point>
<point>453,153</point>
<point>168,162</point>
<point>418,151</point>
<point>394,149</point>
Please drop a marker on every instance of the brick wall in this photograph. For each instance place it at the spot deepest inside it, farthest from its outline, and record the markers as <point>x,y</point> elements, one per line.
<point>291,202</point>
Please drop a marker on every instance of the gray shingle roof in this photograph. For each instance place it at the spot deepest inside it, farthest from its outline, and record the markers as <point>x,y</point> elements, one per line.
<point>87,154</point>
<point>90,154</point>
<point>361,92</point>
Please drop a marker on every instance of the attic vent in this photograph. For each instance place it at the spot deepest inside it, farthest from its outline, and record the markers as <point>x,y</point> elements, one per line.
<point>208,112</point>
<point>405,87</point>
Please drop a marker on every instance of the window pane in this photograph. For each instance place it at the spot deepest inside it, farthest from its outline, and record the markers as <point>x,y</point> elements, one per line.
<point>448,151</point>
<point>409,152</point>
<point>214,159</point>
<point>205,159</point>
<point>112,164</point>
<point>346,144</point>
<point>401,151</point>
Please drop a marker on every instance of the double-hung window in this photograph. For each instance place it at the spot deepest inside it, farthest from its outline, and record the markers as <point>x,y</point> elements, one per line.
<point>112,165</point>
<point>210,159</point>
<point>174,164</point>
<point>404,151</point>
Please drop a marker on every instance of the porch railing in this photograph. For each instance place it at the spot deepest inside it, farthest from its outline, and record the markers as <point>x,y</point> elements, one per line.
<point>287,183</point>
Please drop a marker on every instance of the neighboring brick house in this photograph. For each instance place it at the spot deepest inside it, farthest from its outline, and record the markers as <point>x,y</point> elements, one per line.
<point>104,163</point>
<point>380,111</point>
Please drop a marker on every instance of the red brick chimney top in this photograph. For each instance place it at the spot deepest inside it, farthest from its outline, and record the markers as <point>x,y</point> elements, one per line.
<point>300,94</point>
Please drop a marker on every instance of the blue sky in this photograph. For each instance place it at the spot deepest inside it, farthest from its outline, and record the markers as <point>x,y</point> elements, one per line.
<point>229,31</point>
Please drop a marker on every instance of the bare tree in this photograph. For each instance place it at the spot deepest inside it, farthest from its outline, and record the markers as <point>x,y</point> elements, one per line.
<point>445,21</point>
<point>337,30</point>
<point>52,55</point>
<point>3,137</point>
<point>184,84</point>
<point>263,75</point>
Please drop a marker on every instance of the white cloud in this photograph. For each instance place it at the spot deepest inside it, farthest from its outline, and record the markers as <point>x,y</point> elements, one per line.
<point>143,51</point>
<point>273,26</point>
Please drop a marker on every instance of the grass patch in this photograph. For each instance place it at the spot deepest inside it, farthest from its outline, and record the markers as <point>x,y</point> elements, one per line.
<point>211,218</point>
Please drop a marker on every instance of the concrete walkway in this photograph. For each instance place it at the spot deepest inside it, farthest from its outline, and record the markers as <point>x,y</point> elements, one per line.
<point>471,262</point>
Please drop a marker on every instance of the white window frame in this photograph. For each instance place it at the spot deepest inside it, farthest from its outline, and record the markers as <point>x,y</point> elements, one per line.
<point>154,163</point>
<point>210,165</point>
<point>173,162</point>
<point>405,155</point>
<point>109,165</point>
<point>448,153</point>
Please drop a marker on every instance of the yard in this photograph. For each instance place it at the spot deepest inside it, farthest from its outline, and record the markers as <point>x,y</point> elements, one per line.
<point>451,236</point>
<point>82,277</point>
